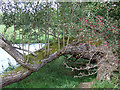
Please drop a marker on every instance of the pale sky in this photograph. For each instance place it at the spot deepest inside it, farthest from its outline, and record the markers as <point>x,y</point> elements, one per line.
<point>22,5</point>
<point>12,1</point>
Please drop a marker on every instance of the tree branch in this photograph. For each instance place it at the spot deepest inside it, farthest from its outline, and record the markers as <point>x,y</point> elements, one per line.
<point>26,51</point>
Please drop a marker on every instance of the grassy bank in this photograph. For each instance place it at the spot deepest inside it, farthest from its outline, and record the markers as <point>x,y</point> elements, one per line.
<point>53,75</point>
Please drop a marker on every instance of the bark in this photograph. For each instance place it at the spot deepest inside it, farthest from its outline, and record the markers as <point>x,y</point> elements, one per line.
<point>58,30</point>
<point>104,60</point>
<point>70,26</point>
<point>15,77</point>
<point>16,55</point>
<point>14,35</point>
<point>46,40</point>
<point>23,39</point>
<point>48,32</point>
<point>19,38</point>
<point>29,52</point>
<point>9,79</point>
<point>63,26</point>
<point>103,56</point>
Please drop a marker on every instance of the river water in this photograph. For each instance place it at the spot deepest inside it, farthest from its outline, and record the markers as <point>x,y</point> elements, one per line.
<point>5,58</point>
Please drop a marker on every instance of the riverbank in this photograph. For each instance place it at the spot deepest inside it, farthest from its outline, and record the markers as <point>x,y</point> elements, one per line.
<point>52,75</point>
<point>6,59</point>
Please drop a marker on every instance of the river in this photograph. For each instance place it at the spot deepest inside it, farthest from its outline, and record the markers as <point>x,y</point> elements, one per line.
<point>5,58</point>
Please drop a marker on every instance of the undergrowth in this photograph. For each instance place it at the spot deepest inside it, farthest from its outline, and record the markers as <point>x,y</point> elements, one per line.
<point>52,75</point>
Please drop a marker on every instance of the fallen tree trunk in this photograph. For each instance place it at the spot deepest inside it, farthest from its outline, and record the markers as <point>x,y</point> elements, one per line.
<point>17,55</point>
<point>8,79</point>
<point>104,60</point>
<point>27,67</point>
<point>15,77</point>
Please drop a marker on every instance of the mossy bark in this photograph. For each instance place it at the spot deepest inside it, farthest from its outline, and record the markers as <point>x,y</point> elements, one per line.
<point>40,60</point>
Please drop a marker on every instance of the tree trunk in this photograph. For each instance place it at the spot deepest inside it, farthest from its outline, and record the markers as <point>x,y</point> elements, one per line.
<point>16,55</point>
<point>58,31</point>
<point>63,26</point>
<point>105,60</point>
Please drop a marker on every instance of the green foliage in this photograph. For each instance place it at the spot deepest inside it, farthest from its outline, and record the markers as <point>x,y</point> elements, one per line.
<point>9,68</point>
<point>0,18</point>
<point>33,24</point>
<point>53,75</point>
<point>107,84</point>
<point>103,84</point>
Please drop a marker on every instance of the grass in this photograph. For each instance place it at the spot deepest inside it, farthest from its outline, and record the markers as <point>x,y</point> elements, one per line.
<point>107,84</point>
<point>53,75</point>
<point>104,84</point>
<point>9,35</point>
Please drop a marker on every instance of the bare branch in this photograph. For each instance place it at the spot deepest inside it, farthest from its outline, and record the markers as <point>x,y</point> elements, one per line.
<point>26,51</point>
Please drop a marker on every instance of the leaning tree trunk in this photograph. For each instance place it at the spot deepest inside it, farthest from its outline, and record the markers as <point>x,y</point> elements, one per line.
<point>5,45</point>
<point>27,68</point>
<point>106,61</point>
<point>102,54</point>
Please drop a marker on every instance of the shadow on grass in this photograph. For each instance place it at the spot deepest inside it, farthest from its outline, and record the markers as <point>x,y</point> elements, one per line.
<point>52,75</point>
